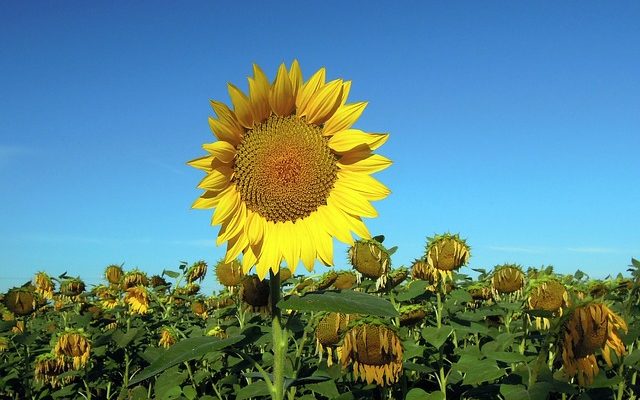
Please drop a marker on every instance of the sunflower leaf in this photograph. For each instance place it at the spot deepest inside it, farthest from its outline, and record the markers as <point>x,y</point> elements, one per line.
<point>344,301</point>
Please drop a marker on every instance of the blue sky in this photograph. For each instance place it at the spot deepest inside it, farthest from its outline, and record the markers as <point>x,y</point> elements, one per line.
<point>516,124</point>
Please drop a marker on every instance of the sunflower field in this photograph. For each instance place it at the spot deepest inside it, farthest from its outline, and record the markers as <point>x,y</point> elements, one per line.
<point>371,331</point>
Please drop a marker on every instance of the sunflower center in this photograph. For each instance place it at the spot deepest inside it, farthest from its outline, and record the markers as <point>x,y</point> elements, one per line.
<point>284,169</point>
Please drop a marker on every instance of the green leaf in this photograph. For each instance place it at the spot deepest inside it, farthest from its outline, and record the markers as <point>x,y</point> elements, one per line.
<point>168,384</point>
<point>635,263</point>
<point>633,358</point>
<point>188,349</point>
<point>189,392</point>
<point>170,274</point>
<point>506,356</point>
<point>414,289</point>
<point>345,301</point>
<point>327,389</point>
<point>461,296</point>
<point>122,338</point>
<point>436,336</point>
<point>514,392</point>
<point>258,388</point>
<point>483,372</point>
<point>416,394</point>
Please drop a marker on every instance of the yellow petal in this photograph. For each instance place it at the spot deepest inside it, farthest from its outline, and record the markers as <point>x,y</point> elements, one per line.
<point>229,203</point>
<point>362,162</point>
<point>346,88</point>
<point>307,248</point>
<point>207,200</point>
<point>334,222</point>
<point>343,118</point>
<point>201,163</point>
<point>241,106</point>
<point>364,184</point>
<point>270,256</point>
<point>248,260</point>
<point>221,150</point>
<point>291,250</point>
<point>352,203</point>
<point>357,226</point>
<point>356,140</point>
<point>223,131</point>
<point>259,94</point>
<point>233,226</point>
<point>226,127</point>
<point>324,103</point>
<point>323,243</point>
<point>281,96</point>
<point>295,76</point>
<point>255,227</point>
<point>217,179</point>
<point>308,90</point>
<point>235,246</point>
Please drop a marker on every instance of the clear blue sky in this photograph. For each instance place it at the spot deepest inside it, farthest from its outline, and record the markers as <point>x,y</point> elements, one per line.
<point>516,124</point>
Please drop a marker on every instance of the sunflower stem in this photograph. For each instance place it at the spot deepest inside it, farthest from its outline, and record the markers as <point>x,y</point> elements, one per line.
<point>279,335</point>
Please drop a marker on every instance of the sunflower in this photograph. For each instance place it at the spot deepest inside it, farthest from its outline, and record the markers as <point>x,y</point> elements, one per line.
<point>113,273</point>
<point>422,270</point>
<point>229,274</point>
<point>345,280</point>
<point>412,314</point>
<point>197,271</point>
<point>287,173</point>
<point>375,351</point>
<point>158,282</point>
<point>396,278</point>
<point>507,279</point>
<point>137,298</point>
<point>480,293</point>
<point>199,309</point>
<point>20,301</point>
<point>134,278</point>
<point>285,274</point>
<point>217,331</point>
<point>590,327</point>
<point>331,326</point>
<point>168,337</point>
<point>547,295</point>
<point>255,293</point>
<point>71,289</point>
<point>327,280</point>
<point>49,368</point>
<point>44,285</point>
<point>4,344</point>
<point>447,253</point>
<point>73,344</point>
<point>371,259</point>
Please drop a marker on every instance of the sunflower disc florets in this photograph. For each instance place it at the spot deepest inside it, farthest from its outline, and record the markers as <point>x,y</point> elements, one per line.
<point>158,282</point>
<point>507,279</point>
<point>590,327</point>
<point>199,309</point>
<point>374,350</point>
<point>197,271</point>
<point>371,259</point>
<point>72,288</point>
<point>113,273</point>
<point>75,345</point>
<point>447,253</point>
<point>20,301</point>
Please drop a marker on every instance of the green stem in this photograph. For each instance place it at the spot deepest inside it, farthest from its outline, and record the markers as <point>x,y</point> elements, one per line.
<point>279,338</point>
<point>439,310</point>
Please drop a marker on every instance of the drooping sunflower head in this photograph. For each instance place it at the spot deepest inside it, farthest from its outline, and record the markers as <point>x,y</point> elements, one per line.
<point>255,293</point>
<point>345,280</point>
<point>285,274</point>
<point>134,278</point>
<point>598,289</point>
<point>287,169</point>
<point>72,288</point>
<point>329,330</point>
<point>327,280</point>
<point>229,274</point>
<point>158,282</point>
<point>507,279</point>
<point>371,259</point>
<point>199,309</point>
<point>73,344</point>
<point>20,301</point>
<point>422,270</point>
<point>137,298</point>
<point>168,337</point>
<point>412,314</point>
<point>547,294</point>
<point>49,368</point>
<point>480,291</point>
<point>374,350</point>
<point>396,278</point>
<point>197,271</point>
<point>113,273</point>
<point>44,285</point>
<point>4,344</point>
<point>590,327</point>
<point>447,253</point>
<point>191,288</point>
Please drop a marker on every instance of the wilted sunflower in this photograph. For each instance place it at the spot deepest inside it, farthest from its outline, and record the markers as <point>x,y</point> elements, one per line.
<point>396,278</point>
<point>18,328</point>
<point>197,271</point>
<point>547,295</point>
<point>591,327</point>
<point>113,273</point>
<point>507,279</point>
<point>327,280</point>
<point>329,331</point>
<point>285,273</point>
<point>49,368</point>
<point>72,288</point>
<point>199,309</point>
<point>74,344</point>
<point>44,285</point>
<point>4,344</point>
<point>480,293</point>
<point>158,282</point>
<point>134,278</point>
<point>255,293</point>
<point>345,280</point>
<point>168,337</point>
<point>375,351</point>
<point>137,298</point>
<point>371,259</point>
<point>229,274</point>
<point>447,253</point>
<point>287,173</point>
<point>412,314</point>
<point>422,270</point>
<point>20,301</point>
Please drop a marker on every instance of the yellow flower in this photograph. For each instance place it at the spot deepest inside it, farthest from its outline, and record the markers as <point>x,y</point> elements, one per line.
<point>44,285</point>
<point>375,352</point>
<point>288,174</point>
<point>590,327</point>
<point>48,368</point>
<point>134,278</point>
<point>113,273</point>
<point>138,299</point>
<point>199,309</point>
<point>507,279</point>
<point>329,331</point>
<point>73,344</point>
<point>218,332</point>
<point>447,253</point>
<point>547,295</point>
<point>168,337</point>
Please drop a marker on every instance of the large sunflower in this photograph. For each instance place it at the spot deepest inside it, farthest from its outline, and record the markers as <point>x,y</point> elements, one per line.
<point>287,173</point>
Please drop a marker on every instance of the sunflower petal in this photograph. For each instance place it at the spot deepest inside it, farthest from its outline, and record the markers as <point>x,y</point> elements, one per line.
<point>356,140</point>
<point>221,150</point>
<point>207,200</point>
<point>259,94</point>
<point>226,127</point>
<point>352,203</point>
<point>295,76</point>
<point>363,162</point>
<point>324,103</point>
<point>364,184</point>
<point>334,222</point>
<point>233,226</point>
<point>248,260</point>
<point>307,247</point>
<point>281,96</point>
<point>241,106</point>
<point>306,92</point>
<point>235,246</point>
<point>229,203</point>
<point>346,88</point>
<point>291,251</point>
<point>344,118</point>
<point>201,163</point>
<point>255,227</point>
<point>217,179</point>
